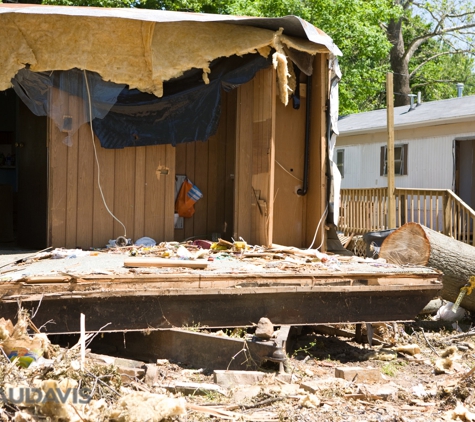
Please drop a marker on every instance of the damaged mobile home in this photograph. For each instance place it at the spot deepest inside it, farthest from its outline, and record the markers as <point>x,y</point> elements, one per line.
<point>110,107</point>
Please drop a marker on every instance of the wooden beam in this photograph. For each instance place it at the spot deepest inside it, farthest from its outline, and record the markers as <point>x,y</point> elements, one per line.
<point>390,152</point>
<point>164,262</point>
<point>227,307</point>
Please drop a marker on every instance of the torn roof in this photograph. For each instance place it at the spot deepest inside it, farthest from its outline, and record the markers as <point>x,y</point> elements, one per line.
<point>137,47</point>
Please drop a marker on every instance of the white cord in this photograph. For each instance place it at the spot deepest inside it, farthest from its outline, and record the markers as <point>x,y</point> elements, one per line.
<point>288,172</point>
<point>316,231</point>
<point>97,160</point>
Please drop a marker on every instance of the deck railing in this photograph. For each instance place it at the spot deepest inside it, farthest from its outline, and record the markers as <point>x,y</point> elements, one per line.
<point>366,210</point>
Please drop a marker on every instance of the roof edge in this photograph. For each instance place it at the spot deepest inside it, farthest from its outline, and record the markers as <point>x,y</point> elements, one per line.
<point>406,126</point>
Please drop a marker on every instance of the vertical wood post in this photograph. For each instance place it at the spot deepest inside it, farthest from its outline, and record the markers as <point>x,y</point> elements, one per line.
<point>446,214</point>
<point>403,209</point>
<point>390,151</point>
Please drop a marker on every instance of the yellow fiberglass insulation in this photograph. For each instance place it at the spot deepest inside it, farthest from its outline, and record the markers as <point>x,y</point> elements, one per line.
<point>141,54</point>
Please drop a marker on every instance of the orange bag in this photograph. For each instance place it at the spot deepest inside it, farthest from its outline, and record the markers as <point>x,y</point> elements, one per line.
<point>186,199</point>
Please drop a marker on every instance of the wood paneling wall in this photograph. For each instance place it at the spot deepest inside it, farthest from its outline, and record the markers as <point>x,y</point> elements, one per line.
<point>235,170</point>
<point>318,183</point>
<point>262,182</point>
<point>255,137</point>
<point>134,181</point>
<point>210,166</point>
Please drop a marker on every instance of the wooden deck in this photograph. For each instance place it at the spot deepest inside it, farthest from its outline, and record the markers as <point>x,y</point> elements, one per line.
<point>366,210</point>
<point>224,295</point>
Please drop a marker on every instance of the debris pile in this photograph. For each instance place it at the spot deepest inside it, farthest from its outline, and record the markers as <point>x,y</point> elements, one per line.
<point>410,376</point>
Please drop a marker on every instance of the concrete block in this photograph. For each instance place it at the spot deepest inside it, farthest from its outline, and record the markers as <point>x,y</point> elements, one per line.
<point>265,328</point>
<point>282,390</point>
<point>288,378</point>
<point>129,374</point>
<point>358,374</point>
<point>233,378</point>
<point>152,374</point>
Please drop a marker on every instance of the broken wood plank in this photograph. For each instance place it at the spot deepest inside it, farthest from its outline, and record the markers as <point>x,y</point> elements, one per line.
<point>164,262</point>
<point>148,308</point>
<point>189,346</point>
<point>46,279</point>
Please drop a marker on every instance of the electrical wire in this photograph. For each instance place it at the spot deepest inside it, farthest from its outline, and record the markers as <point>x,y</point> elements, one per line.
<point>318,226</point>
<point>288,172</point>
<point>97,159</point>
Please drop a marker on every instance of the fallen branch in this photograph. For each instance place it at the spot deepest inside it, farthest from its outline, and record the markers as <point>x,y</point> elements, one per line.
<point>430,345</point>
<point>463,335</point>
<point>262,402</point>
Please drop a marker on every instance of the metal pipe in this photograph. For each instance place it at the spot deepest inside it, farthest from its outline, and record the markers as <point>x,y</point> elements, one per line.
<point>308,102</point>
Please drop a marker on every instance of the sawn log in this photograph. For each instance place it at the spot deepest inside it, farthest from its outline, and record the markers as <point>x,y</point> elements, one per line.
<point>418,245</point>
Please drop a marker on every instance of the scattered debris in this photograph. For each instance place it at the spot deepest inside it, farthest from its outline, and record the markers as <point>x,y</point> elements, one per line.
<point>265,329</point>
<point>322,378</point>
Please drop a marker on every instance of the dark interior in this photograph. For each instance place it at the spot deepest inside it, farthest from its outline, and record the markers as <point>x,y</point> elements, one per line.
<point>23,176</point>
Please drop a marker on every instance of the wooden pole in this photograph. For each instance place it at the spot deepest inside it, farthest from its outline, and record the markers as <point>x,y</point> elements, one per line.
<point>390,152</point>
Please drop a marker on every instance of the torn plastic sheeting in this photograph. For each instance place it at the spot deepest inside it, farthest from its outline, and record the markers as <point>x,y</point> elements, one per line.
<point>188,111</point>
<point>34,90</point>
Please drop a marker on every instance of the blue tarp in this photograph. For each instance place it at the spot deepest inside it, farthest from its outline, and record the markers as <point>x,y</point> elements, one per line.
<point>188,111</point>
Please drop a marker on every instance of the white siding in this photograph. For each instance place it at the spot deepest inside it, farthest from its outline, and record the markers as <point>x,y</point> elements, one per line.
<point>430,164</point>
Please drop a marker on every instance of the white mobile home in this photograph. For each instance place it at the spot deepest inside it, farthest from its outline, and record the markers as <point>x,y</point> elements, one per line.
<point>434,147</point>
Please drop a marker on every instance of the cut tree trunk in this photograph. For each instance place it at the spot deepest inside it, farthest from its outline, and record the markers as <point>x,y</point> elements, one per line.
<point>418,245</point>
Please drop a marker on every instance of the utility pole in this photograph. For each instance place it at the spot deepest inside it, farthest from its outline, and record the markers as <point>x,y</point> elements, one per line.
<point>390,151</point>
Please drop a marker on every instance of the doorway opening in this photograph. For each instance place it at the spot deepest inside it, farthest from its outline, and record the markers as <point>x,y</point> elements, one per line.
<point>23,176</point>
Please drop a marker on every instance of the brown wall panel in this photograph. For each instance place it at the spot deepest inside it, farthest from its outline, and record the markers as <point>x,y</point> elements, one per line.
<point>137,183</point>
<point>289,218</point>
<point>316,196</point>
<point>139,197</point>
<point>72,185</point>
<point>85,189</point>
<point>124,195</point>
<point>210,166</point>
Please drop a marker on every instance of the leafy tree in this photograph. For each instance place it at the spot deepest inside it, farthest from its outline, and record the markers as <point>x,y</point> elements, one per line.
<point>440,36</point>
<point>355,26</point>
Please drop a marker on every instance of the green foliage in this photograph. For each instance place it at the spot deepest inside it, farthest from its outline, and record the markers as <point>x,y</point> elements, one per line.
<point>358,28</point>
<point>95,3</point>
<point>392,368</point>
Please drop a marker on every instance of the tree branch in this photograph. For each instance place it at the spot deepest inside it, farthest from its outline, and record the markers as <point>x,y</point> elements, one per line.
<point>434,81</point>
<point>445,53</point>
<point>416,42</point>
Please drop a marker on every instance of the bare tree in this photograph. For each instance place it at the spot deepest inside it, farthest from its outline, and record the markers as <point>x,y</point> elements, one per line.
<point>452,21</point>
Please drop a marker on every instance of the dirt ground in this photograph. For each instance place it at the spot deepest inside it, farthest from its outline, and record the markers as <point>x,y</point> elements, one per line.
<point>423,386</point>
<point>417,375</point>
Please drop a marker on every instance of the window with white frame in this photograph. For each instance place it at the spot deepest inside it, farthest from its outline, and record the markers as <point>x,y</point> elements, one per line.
<point>340,161</point>
<point>400,160</point>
